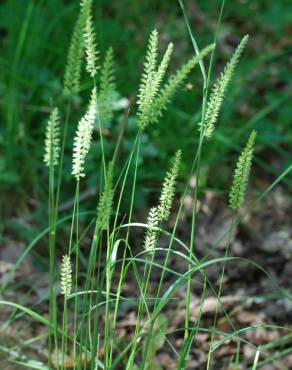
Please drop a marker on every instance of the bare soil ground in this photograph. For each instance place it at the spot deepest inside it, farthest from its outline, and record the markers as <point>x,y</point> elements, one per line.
<point>251,297</point>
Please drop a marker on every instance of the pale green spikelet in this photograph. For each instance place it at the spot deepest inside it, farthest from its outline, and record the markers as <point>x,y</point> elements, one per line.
<point>75,53</point>
<point>153,84</point>
<point>90,47</point>
<point>107,87</point>
<point>241,173</point>
<point>86,5</point>
<point>52,139</point>
<point>149,66</point>
<point>174,82</point>
<point>66,276</point>
<point>146,89</point>
<point>106,200</point>
<point>150,102</point>
<point>163,65</point>
<point>168,189</point>
<point>219,89</point>
<point>151,233</point>
<point>82,140</point>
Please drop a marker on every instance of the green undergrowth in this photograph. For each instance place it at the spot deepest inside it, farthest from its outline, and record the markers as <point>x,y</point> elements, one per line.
<point>32,64</point>
<point>91,255</point>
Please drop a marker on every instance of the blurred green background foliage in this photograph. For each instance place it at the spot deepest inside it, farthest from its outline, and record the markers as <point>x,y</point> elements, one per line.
<point>34,38</point>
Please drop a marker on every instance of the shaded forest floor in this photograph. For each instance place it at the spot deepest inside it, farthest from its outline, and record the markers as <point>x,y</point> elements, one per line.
<point>250,297</point>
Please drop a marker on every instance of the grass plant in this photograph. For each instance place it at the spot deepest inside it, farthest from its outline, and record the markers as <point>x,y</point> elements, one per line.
<point>93,273</point>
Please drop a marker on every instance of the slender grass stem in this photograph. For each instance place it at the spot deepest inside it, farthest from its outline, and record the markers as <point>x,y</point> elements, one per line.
<point>206,80</point>
<point>61,163</point>
<point>136,148</point>
<point>64,334</point>
<point>107,331</point>
<point>51,278</point>
<point>166,260</point>
<point>89,283</point>
<point>76,200</point>
<point>209,361</point>
<point>53,211</point>
<point>52,253</point>
<point>100,137</point>
<point>138,143</point>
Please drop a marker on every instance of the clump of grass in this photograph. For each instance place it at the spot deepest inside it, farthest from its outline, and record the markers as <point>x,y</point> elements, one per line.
<point>97,291</point>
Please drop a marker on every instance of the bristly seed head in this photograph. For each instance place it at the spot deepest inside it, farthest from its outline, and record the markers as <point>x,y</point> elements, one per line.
<point>107,87</point>
<point>104,207</point>
<point>66,276</point>
<point>52,139</point>
<point>82,140</point>
<point>151,233</point>
<point>90,47</point>
<point>241,174</point>
<point>76,51</point>
<point>219,89</point>
<point>152,98</point>
<point>168,189</point>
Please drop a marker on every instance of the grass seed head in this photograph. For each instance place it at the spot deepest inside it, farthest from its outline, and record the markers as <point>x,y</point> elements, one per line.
<point>241,174</point>
<point>83,136</point>
<point>66,276</point>
<point>52,139</point>
<point>219,89</point>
